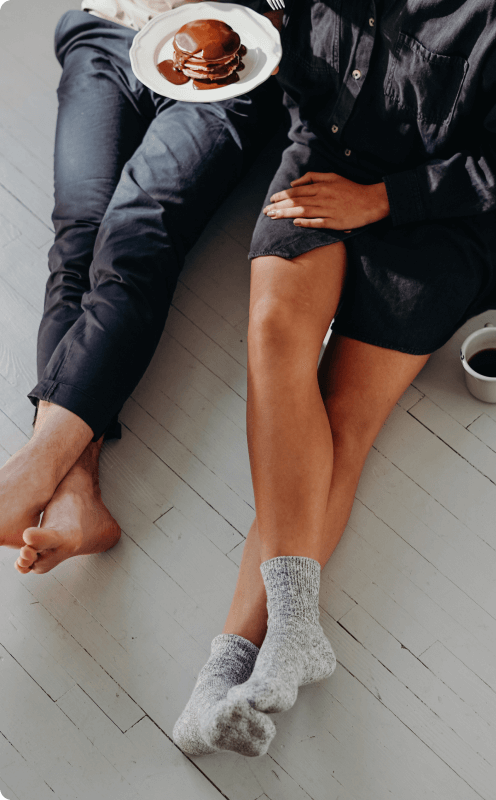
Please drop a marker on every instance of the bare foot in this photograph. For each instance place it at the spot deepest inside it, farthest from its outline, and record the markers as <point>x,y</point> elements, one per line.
<point>25,489</point>
<point>75,522</point>
<point>28,480</point>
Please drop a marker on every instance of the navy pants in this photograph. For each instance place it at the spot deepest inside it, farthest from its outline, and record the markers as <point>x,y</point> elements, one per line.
<point>137,177</point>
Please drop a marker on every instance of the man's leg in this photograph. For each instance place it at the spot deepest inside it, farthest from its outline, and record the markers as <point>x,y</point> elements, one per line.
<point>190,157</point>
<point>75,522</point>
<point>98,128</point>
<point>29,479</point>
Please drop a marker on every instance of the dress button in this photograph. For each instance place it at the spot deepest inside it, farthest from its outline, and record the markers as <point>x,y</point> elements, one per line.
<point>334,129</point>
<point>371,22</point>
<point>347,152</point>
<point>356,74</point>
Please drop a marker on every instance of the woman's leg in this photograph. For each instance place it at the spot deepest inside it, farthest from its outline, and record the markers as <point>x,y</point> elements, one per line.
<point>308,288</point>
<point>360,384</point>
<point>289,438</point>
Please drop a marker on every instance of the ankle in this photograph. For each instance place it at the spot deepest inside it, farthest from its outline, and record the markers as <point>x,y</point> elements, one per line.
<point>32,475</point>
<point>81,481</point>
<point>292,584</point>
<point>59,439</point>
<point>250,631</point>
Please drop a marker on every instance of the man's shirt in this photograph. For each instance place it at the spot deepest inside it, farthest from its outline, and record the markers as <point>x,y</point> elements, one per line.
<point>403,92</point>
<point>136,13</point>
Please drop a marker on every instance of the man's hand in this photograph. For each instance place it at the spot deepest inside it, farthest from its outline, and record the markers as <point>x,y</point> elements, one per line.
<point>327,200</point>
<point>276,18</point>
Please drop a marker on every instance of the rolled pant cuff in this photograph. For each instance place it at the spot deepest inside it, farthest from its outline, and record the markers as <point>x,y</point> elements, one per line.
<point>100,419</point>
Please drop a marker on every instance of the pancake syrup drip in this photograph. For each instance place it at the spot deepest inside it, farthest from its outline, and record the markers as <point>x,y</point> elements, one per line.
<point>206,51</point>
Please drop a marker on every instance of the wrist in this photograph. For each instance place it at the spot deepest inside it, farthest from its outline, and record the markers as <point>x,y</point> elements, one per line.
<point>381,201</point>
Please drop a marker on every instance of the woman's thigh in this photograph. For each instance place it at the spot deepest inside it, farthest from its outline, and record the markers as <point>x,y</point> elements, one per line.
<point>360,384</point>
<point>295,300</point>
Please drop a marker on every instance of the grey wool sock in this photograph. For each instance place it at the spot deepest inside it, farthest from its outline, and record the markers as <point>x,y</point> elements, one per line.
<point>231,662</point>
<point>295,650</point>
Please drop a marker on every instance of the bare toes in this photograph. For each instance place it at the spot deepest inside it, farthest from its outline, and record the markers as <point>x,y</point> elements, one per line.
<point>42,538</point>
<point>27,554</point>
<point>21,569</point>
<point>46,562</point>
<point>27,557</point>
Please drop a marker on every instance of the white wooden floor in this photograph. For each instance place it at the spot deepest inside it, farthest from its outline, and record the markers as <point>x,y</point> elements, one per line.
<point>98,658</point>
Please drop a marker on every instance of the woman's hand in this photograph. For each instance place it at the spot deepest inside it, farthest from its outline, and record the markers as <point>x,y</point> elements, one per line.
<point>326,200</point>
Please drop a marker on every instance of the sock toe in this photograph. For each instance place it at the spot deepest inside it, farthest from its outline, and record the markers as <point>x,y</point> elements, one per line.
<point>231,662</point>
<point>185,735</point>
<point>238,727</point>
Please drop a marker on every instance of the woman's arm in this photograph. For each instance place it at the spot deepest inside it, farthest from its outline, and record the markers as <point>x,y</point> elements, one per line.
<point>460,186</point>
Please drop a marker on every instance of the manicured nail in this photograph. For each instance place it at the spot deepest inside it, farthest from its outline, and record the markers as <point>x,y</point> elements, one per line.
<point>271,213</point>
<point>296,222</point>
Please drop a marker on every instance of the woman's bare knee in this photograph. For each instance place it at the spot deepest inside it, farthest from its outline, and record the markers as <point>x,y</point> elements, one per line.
<point>292,302</point>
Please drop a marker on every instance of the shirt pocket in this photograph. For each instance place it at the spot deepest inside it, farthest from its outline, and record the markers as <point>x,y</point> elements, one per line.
<point>422,83</point>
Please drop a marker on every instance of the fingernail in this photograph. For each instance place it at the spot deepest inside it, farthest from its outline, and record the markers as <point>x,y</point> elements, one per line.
<point>296,222</point>
<point>271,213</point>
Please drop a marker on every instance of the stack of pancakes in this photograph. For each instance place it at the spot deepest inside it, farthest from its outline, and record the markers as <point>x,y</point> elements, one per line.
<point>207,50</point>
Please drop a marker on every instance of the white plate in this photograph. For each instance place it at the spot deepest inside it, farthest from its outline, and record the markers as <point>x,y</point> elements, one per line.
<point>153,44</point>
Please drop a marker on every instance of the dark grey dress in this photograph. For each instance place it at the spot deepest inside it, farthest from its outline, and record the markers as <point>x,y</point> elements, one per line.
<point>403,93</point>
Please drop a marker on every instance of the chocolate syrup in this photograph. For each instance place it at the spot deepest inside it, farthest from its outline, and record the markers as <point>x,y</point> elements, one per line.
<point>170,73</point>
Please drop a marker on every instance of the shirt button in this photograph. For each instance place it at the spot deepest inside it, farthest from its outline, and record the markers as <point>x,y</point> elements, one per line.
<point>356,74</point>
<point>347,152</point>
<point>334,129</point>
<point>371,22</point>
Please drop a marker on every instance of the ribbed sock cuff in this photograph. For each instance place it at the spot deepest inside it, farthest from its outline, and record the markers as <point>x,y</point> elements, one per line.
<point>227,643</point>
<point>292,584</point>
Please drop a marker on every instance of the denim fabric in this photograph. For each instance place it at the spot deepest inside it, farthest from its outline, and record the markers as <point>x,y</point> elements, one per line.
<point>408,87</point>
<point>137,177</point>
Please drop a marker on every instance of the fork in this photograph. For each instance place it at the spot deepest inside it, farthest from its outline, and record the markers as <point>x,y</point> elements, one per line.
<point>276,5</point>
